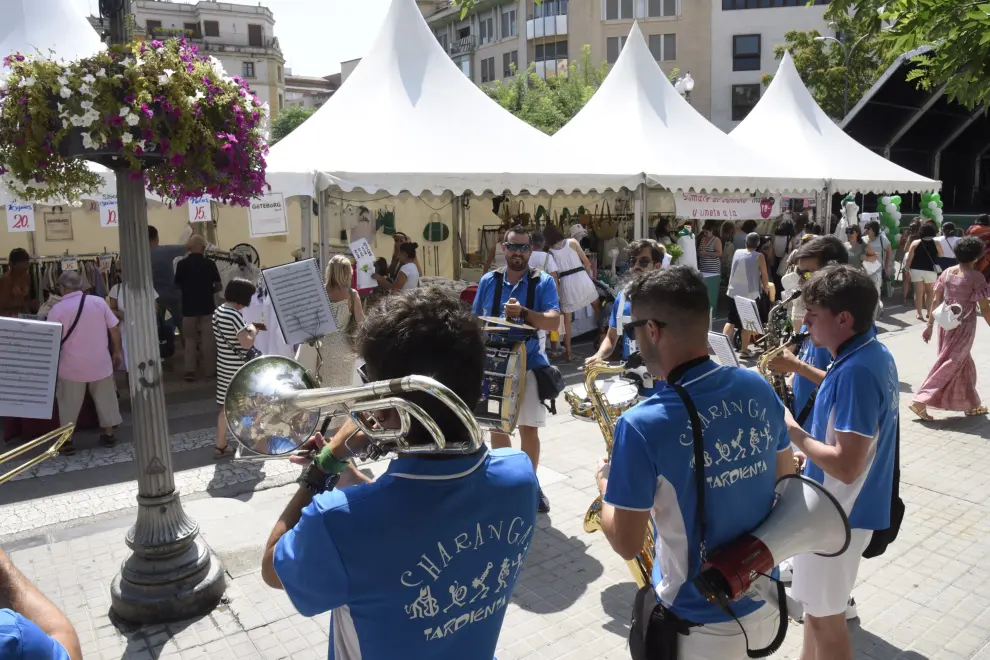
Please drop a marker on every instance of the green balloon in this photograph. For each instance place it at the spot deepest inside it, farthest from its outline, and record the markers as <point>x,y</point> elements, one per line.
<point>925,198</point>
<point>939,203</point>
<point>936,197</point>
<point>896,200</point>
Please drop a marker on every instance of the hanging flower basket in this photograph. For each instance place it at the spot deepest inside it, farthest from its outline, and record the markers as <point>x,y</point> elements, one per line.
<point>156,111</point>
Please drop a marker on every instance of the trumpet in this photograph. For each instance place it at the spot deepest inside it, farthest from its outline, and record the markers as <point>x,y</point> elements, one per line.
<point>273,406</point>
<point>59,435</point>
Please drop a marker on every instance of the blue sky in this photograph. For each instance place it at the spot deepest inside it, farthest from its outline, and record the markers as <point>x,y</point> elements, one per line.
<point>316,35</point>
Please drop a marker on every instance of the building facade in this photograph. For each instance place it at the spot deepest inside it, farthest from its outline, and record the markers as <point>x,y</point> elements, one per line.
<point>744,34</point>
<point>309,91</point>
<point>242,37</point>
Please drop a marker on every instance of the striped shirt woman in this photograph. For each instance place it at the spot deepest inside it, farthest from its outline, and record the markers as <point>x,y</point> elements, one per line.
<point>709,251</point>
<point>233,340</point>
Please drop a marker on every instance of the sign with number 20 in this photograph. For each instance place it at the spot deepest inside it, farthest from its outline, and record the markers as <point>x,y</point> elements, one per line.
<point>20,217</point>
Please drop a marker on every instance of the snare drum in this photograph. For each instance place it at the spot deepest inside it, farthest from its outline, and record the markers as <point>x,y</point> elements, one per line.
<point>502,387</point>
<point>620,395</point>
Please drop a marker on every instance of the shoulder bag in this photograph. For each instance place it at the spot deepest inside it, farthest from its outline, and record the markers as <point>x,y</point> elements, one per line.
<point>75,322</point>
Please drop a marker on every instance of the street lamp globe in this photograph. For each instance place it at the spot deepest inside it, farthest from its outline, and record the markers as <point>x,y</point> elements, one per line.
<point>688,82</point>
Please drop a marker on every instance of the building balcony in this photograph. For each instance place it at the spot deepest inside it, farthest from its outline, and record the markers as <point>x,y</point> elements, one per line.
<point>548,26</point>
<point>463,45</point>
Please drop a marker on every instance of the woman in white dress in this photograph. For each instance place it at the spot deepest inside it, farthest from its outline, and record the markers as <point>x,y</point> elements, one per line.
<point>117,301</point>
<point>576,289</point>
<point>335,365</point>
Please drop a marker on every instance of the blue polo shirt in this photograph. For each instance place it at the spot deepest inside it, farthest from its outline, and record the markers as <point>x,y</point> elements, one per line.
<point>860,395</point>
<point>652,469</point>
<point>22,639</point>
<point>544,300</point>
<point>628,345</point>
<point>418,565</point>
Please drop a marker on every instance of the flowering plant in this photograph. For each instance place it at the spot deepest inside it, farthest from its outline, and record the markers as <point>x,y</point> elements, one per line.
<point>157,111</point>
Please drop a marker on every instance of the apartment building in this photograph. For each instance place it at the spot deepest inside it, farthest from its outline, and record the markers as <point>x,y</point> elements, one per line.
<point>242,37</point>
<point>309,91</point>
<point>744,34</point>
<point>551,34</point>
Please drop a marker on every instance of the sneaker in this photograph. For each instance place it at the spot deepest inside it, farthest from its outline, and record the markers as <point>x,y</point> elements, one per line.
<point>851,612</point>
<point>108,440</point>
<point>544,505</point>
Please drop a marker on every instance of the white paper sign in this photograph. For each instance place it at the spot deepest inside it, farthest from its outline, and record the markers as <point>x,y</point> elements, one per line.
<point>722,349</point>
<point>20,217</point>
<point>109,213</point>
<point>300,301</point>
<point>29,352</point>
<point>267,216</point>
<point>719,207</point>
<point>199,209</point>
<point>105,262</point>
<point>365,263</point>
<point>749,314</point>
<point>70,263</point>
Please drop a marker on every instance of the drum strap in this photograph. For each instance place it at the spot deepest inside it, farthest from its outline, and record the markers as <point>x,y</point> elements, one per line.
<point>534,279</point>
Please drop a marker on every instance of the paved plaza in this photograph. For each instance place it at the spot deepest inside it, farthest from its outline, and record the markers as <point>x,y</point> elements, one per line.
<point>64,523</point>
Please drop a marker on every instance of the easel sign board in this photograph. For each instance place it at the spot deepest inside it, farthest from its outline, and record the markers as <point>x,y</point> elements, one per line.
<point>720,346</point>
<point>29,353</point>
<point>300,301</point>
<point>749,314</point>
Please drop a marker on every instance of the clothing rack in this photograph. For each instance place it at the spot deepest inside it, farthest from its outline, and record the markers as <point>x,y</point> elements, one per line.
<point>54,258</point>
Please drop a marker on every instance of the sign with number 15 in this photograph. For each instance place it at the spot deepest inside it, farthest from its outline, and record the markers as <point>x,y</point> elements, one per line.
<point>20,217</point>
<point>109,211</point>
<point>199,209</point>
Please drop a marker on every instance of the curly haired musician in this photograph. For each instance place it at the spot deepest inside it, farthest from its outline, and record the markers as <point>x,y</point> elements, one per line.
<point>421,563</point>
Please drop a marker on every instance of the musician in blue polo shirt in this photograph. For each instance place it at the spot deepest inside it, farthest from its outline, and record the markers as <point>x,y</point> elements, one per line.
<point>652,472</point>
<point>644,255</point>
<point>421,563</point>
<point>850,449</point>
<point>31,627</point>
<point>515,283</point>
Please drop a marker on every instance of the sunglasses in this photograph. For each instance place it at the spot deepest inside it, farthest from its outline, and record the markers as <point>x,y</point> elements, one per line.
<point>803,274</point>
<point>517,247</point>
<point>629,329</point>
<point>644,262</point>
<point>849,232</point>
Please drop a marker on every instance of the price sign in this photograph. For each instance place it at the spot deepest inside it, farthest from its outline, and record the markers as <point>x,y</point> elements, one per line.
<point>199,209</point>
<point>109,213</point>
<point>70,263</point>
<point>20,217</point>
<point>105,262</point>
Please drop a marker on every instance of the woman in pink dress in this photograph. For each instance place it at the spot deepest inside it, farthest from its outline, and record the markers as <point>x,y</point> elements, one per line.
<point>951,384</point>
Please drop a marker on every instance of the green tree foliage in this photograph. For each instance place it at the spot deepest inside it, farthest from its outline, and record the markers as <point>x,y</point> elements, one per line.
<point>822,64</point>
<point>959,30</point>
<point>289,120</point>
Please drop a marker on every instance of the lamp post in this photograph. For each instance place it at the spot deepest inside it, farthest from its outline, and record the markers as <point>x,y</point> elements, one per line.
<point>171,573</point>
<point>849,50</point>
<point>684,86</point>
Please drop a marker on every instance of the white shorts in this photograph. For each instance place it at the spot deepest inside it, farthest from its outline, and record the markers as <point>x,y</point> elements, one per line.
<point>724,641</point>
<point>823,585</point>
<point>926,276</point>
<point>531,411</point>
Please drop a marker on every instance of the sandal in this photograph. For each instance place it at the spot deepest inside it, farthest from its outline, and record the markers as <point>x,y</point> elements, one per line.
<point>977,412</point>
<point>921,412</point>
<point>220,452</point>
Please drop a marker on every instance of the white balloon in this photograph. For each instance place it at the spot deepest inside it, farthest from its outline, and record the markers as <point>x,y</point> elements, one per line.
<point>933,205</point>
<point>891,208</point>
<point>897,216</point>
<point>885,200</point>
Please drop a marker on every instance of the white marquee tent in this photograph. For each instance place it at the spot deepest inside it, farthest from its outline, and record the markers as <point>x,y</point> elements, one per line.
<point>637,120</point>
<point>408,120</point>
<point>788,115</point>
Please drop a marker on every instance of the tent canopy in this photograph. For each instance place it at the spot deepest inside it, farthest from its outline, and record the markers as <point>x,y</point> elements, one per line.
<point>637,119</point>
<point>408,120</point>
<point>788,115</point>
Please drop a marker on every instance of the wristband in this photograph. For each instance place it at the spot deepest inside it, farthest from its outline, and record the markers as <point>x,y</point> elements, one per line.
<point>329,463</point>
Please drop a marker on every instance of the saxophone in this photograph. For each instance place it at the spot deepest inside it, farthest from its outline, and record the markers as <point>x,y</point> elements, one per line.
<point>778,337</point>
<point>642,566</point>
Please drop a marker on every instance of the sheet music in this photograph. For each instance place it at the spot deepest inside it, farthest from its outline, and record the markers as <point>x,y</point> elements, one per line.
<point>29,352</point>
<point>722,349</point>
<point>749,314</point>
<point>300,300</point>
<point>365,263</point>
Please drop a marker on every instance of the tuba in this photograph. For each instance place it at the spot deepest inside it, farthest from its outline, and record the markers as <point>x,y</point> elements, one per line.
<point>60,437</point>
<point>607,416</point>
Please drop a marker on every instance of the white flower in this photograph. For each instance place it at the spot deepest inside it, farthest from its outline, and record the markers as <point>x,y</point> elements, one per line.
<point>265,110</point>
<point>87,141</point>
<point>119,76</point>
<point>169,72</point>
<point>65,92</point>
<point>138,62</point>
<point>86,105</point>
<point>162,79</point>
<point>126,138</point>
<point>26,82</point>
<point>88,78</point>
<point>85,89</point>
<point>127,62</point>
<point>89,118</point>
<point>132,120</point>
<point>62,80</point>
<point>124,111</point>
<point>102,73</point>
<point>217,67</point>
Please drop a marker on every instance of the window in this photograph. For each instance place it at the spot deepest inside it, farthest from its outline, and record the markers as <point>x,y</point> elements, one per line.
<point>744,99</point>
<point>192,28</point>
<point>746,52</point>
<point>212,28</point>
<point>280,101</point>
<point>256,36</point>
<point>663,47</point>
<point>555,50</point>
<point>508,24</point>
<point>248,69</point>
<point>151,26</point>
<point>442,38</point>
<point>767,4</point>
<point>508,60</point>
<point>488,69</point>
<point>279,70</point>
<point>618,9</point>
<point>550,8</point>
<point>486,30</point>
<point>613,46</point>
<point>661,8</point>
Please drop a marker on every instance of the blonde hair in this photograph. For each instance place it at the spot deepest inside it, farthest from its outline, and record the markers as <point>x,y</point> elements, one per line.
<point>338,275</point>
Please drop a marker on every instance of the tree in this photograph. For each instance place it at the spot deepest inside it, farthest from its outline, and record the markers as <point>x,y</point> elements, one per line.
<point>822,64</point>
<point>959,30</point>
<point>289,120</point>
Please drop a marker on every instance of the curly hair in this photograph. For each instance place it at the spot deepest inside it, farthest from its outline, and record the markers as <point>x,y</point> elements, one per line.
<point>843,288</point>
<point>969,249</point>
<point>428,332</point>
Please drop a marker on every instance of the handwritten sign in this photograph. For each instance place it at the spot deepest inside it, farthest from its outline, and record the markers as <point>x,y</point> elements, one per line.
<point>69,263</point>
<point>749,314</point>
<point>365,263</point>
<point>58,226</point>
<point>720,207</point>
<point>722,349</point>
<point>105,262</point>
<point>20,217</point>
<point>267,216</point>
<point>29,352</point>
<point>300,301</point>
<point>199,209</point>
<point>109,212</point>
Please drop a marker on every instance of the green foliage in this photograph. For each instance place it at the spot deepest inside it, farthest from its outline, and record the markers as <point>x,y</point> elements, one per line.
<point>467,5</point>
<point>958,29</point>
<point>289,120</point>
<point>822,64</point>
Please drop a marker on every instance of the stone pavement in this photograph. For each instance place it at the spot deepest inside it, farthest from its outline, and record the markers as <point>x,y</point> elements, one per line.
<point>927,597</point>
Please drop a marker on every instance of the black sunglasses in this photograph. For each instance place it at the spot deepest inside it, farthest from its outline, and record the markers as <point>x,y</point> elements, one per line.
<point>645,262</point>
<point>629,329</point>
<point>517,247</point>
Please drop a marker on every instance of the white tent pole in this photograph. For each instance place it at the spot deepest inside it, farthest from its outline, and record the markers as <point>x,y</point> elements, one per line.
<point>306,225</point>
<point>639,224</point>
<point>323,230</point>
